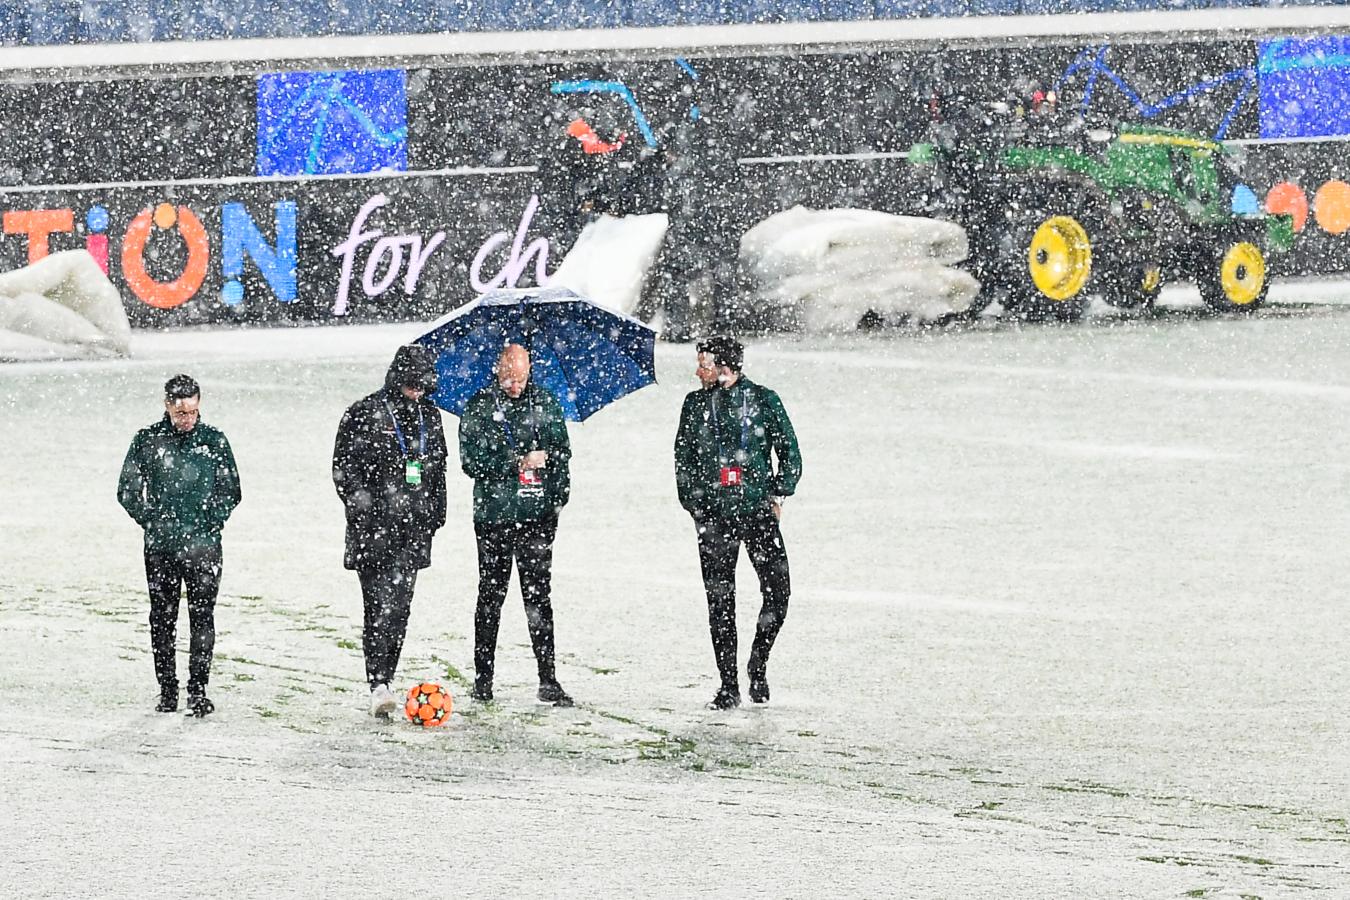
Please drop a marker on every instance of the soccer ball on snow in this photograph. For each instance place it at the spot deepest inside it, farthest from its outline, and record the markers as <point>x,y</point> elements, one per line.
<point>428,704</point>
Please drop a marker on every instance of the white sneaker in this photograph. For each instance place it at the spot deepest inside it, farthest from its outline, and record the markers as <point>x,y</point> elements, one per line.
<point>382,701</point>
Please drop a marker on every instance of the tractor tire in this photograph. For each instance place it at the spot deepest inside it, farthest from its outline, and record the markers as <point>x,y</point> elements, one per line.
<point>1135,284</point>
<point>1053,255</point>
<point>1234,276</point>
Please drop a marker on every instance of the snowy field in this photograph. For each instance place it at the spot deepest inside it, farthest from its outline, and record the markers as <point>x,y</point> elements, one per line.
<point>1068,620</point>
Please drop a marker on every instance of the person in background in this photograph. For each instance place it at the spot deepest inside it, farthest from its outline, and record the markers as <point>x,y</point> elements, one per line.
<point>513,443</point>
<point>389,470</point>
<point>179,483</point>
<point>731,431</point>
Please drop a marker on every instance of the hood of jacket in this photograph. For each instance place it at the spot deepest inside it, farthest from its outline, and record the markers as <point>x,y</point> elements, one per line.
<point>412,367</point>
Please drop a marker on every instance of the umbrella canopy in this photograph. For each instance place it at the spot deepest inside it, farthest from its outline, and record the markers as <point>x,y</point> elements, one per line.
<point>585,355</point>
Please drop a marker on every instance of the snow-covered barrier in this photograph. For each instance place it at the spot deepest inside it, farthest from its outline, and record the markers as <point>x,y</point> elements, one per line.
<point>609,262</point>
<point>829,270</point>
<point>61,307</point>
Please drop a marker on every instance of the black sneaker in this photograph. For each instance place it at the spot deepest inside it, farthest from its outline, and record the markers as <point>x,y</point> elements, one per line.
<point>199,706</point>
<point>482,691</point>
<point>725,699</point>
<point>168,701</point>
<point>552,692</point>
<point>759,688</point>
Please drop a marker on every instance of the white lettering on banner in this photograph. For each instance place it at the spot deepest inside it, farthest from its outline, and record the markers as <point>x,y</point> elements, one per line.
<point>517,259</point>
<point>391,247</point>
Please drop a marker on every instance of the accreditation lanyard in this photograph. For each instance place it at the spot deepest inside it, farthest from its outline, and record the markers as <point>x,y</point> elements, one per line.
<point>506,426</point>
<point>745,429</point>
<point>412,468</point>
<point>398,432</point>
<point>531,484</point>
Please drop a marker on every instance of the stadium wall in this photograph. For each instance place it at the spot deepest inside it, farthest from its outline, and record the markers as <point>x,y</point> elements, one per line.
<point>390,181</point>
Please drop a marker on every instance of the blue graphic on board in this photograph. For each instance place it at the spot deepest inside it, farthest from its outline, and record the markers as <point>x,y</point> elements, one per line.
<point>1092,62</point>
<point>1305,87</point>
<point>240,236</point>
<point>1245,202</point>
<point>332,123</point>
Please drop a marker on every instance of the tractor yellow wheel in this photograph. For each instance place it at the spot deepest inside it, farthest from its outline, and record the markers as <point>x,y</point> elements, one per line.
<point>1060,258</point>
<point>1242,274</point>
<point>1152,280</point>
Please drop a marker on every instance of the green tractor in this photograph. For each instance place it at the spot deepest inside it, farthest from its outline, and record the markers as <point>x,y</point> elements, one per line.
<point>1052,222</point>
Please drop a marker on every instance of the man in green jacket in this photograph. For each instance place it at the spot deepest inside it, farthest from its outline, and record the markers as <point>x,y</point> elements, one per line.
<point>731,429</point>
<point>513,444</point>
<point>179,482</point>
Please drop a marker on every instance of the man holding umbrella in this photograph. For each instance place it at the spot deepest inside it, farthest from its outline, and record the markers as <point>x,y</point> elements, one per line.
<point>389,470</point>
<point>513,443</point>
<point>730,431</point>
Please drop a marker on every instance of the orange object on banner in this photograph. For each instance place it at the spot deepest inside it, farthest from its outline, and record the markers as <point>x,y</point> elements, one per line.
<point>1331,206</point>
<point>1287,197</point>
<point>590,141</point>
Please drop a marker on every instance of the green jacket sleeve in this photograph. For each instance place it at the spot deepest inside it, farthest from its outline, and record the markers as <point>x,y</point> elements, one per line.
<point>558,444</point>
<point>131,485</point>
<point>226,493</point>
<point>783,439</point>
<point>483,454</point>
<point>686,452</point>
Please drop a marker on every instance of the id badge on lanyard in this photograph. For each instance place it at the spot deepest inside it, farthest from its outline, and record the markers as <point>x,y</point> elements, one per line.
<point>529,482</point>
<point>731,474</point>
<point>412,468</point>
<point>531,485</point>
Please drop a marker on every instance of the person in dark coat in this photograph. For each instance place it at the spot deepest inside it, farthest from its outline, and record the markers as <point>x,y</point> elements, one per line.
<point>513,444</point>
<point>389,470</point>
<point>696,271</point>
<point>179,483</point>
<point>731,431</point>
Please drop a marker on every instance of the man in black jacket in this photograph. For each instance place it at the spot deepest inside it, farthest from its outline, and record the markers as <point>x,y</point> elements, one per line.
<point>389,469</point>
<point>179,482</point>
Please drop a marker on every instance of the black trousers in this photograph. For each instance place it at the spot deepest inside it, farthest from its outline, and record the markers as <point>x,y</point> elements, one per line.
<point>719,545</point>
<point>386,593</point>
<point>530,545</point>
<point>166,574</point>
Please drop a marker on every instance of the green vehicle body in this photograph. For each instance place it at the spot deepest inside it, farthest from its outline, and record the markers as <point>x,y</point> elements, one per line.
<point>1141,207</point>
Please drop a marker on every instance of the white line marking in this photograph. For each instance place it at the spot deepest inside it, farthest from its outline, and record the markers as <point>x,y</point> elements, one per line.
<point>457,172</point>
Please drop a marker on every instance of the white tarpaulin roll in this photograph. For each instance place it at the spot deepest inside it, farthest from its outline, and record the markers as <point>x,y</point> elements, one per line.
<point>824,270</point>
<point>610,260</point>
<point>61,307</point>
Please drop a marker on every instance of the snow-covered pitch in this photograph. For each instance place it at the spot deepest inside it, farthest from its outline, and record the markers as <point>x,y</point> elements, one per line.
<point>1068,620</point>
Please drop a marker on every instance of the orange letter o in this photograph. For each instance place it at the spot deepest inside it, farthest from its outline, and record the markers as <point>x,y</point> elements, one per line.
<point>158,294</point>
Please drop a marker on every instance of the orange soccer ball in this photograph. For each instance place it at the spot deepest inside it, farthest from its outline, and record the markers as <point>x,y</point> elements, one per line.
<point>428,705</point>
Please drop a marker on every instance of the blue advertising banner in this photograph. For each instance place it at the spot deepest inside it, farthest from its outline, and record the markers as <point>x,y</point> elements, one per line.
<point>332,123</point>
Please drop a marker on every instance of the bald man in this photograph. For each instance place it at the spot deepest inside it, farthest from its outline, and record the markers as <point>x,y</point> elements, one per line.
<point>513,444</point>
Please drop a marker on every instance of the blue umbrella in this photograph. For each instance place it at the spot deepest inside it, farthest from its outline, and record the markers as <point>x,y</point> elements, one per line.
<point>586,355</point>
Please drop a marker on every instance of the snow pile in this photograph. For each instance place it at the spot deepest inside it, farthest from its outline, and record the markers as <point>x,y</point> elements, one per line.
<point>828,270</point>
<point>61,307</point>
<point>610,260</point>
